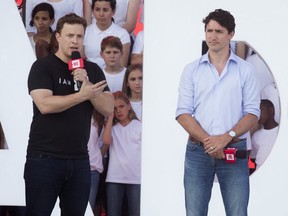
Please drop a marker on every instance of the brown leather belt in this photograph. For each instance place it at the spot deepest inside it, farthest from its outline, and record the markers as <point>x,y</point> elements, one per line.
<point>234,140</point>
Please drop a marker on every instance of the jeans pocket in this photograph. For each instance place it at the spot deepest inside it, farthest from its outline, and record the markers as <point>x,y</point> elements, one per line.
<point>191,146</point>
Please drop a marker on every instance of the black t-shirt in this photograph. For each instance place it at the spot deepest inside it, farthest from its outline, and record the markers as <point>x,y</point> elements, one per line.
<point>65,134</point>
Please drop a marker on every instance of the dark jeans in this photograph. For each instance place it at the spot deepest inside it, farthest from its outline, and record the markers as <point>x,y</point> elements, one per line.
<point>115,197</point>
<point>47,178</point>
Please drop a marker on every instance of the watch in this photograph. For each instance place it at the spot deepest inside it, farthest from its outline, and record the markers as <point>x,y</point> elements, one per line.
<point>232,133</point>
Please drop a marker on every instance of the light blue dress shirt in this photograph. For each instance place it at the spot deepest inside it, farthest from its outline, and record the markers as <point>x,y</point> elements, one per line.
<point>219,102</point>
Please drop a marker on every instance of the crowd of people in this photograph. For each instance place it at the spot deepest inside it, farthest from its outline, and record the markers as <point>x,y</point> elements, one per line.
<point>103,32</point>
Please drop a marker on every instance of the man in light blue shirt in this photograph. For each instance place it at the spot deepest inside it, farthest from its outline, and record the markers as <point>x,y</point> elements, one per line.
<point>218,104</point>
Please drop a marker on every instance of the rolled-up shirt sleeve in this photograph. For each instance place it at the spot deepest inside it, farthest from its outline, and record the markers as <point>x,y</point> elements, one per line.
<point>186,92</point>
<point>251,93</point>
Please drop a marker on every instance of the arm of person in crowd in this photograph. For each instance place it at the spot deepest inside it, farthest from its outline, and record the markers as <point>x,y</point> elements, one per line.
<point>126,54</point>
<point>107,134</point>
<point>77,8</point>
<point>87,11</point>
<point>132,15</point>
<point>137,58</point>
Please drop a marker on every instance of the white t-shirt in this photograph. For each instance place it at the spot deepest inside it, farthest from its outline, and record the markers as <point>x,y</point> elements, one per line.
<point>137,107</point>
<point>262,144</point>
<point>115,81</point>
<point>61,8</point>
<point>95,155</point>
<point>94,37</point>
<point>125,154</point>
<point>138,45</point>
<point>271,93</point>
<point>262,71</point>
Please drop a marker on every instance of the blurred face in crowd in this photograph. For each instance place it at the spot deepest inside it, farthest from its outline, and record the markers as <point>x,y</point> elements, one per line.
<point>42,21</point>
<point>70,39</point>
<point>112,56</point>
<point>121,111</point>
<point>135,81</point>
<point>103,13</point>
<point>217,36</point>
<point>265,114</point>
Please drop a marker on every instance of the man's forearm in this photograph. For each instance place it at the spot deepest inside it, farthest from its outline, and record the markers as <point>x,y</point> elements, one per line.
<point>104,103</point>
<point>193,128</point>
<point>245,124</point>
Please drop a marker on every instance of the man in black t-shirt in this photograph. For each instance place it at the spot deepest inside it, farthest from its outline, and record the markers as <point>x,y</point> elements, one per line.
<point>57,162</point>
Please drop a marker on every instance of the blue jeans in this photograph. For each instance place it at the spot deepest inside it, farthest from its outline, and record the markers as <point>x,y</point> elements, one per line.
<point>200,169</point>
<point>95,179</point>
<point>47,178</point>
<point>115,198</point>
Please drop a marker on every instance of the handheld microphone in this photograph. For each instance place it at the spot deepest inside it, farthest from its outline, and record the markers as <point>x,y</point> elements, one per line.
<point>76,62</point>
<point>232,153</point>
<point>241,154</point>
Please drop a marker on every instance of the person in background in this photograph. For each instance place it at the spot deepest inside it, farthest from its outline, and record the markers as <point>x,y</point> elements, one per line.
<point>138,48</point>
<point>263,139</point>
<point>122,133</point>
<point>95,155</point>
<point>57,161</point>
<point>61,8</point>
<point>42,18</point>
<point>125,15</point>
<point>111,52</point>
<point>103,11</point>
<point>133,87</point>
<point>218,104</point>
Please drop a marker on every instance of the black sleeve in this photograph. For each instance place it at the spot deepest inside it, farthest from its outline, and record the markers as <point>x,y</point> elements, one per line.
<point>39,76</point>
<point>95,73</point>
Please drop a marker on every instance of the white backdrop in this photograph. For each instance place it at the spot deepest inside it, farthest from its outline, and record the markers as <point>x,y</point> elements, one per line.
<point>173,35</point>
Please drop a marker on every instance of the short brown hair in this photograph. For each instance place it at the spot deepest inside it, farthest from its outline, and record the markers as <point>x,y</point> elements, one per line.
<point>70,18</point>
<point>111,41</point>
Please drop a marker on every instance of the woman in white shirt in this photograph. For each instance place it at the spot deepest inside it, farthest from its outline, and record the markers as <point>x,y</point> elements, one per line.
<point>103,11</point>
<point>42,18</point>
<point>126,13</point>
<point>61,7</point>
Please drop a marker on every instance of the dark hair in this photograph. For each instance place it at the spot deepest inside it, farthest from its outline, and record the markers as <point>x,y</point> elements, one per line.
<point>130,68</point>
<point>71,19</point>
<point>267,103</point>
<point>99,121</point>
<point>112,3</point>
<point>224,18</point>
<point>111,41</point>
<point>42,7</point>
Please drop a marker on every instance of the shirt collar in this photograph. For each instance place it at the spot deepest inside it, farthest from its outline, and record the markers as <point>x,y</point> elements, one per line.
<point>232,57</point>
